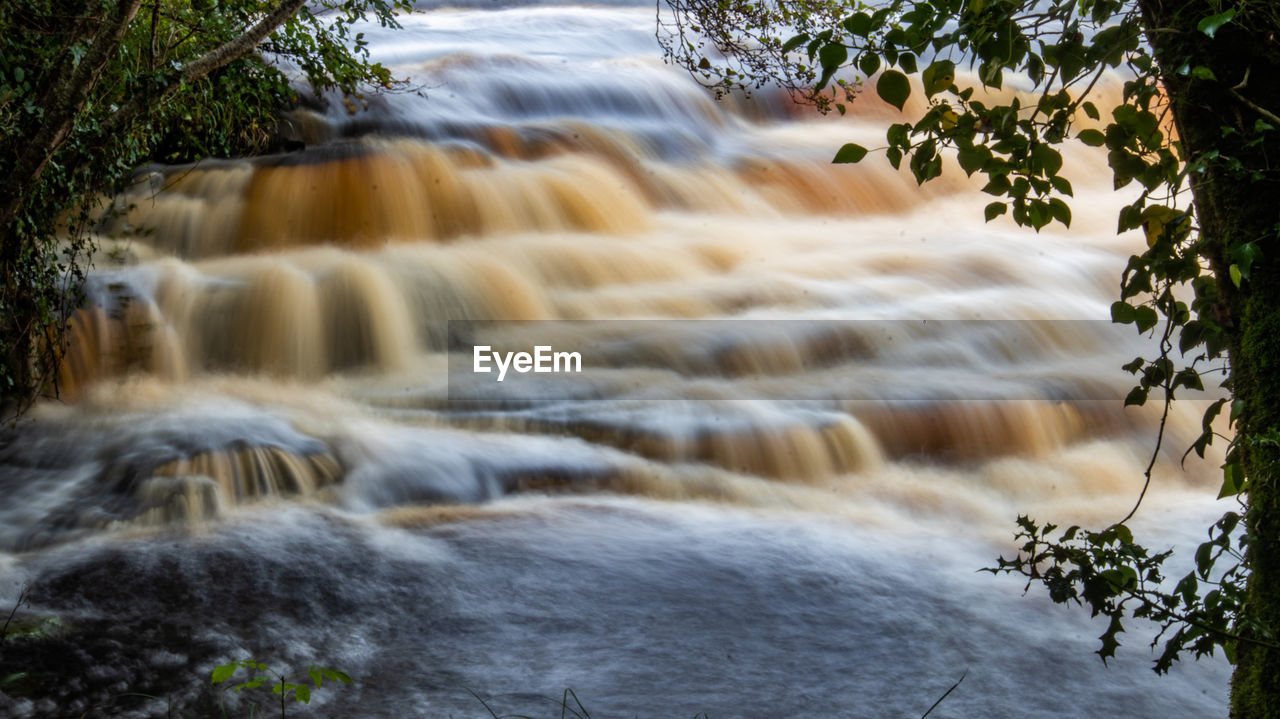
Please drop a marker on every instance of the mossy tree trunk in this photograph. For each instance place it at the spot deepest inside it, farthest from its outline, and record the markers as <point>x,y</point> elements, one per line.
<point>85,128</point>
<point>1236,204</point>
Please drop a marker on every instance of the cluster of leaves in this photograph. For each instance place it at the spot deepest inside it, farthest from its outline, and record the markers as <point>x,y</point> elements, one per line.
<point>1011,143</point>
<point>1058,52</point>
<point>92,89</point>
<point>1115,577</point>
<point>260,675</point>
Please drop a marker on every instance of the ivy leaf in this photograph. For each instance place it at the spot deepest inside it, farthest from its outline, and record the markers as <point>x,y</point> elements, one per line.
<point>1190,379</point>
<point>994,210</point>
<point>1122,313</point>
<point>1210,25</point>
<point>894,88</point>
<point>1245,255</point>
<point>850,153</point>
<point>1145,317</point>
<point>1136,397</point>
<point>1232,480</point>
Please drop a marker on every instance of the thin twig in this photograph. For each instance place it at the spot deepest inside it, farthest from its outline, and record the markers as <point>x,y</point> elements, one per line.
<point>24,596</point>
<point>945,694</point>
<point>1255,106</point>
<point>1167,385</point>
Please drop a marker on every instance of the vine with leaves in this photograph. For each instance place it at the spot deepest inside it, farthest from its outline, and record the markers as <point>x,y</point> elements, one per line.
<point>1186,288</point>
<point>92,89</point>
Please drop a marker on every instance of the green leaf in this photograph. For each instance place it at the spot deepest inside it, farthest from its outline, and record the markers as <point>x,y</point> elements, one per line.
<point>1091,110</point>
<point>972,158</point>
<point>1189,378</point>
<point>795,42</point>
<point>869,63</point>
<point>1210,25</point>
<point>337,675</point>
<point>1122,313</point>
<point>833,56</point>
<point>1060,211</point>
<point>859,24</point>
<point>19,74</point>
<point>939,76</point>
<point>1245,255</point>
<point>1234,270</point>
<point>704,64</point>
<point>1136,397</point>
<point>1191,335</point>
<point>1109,641</point>
<point>894,88</point>
<point>302,694</point>
<point>1092,138</point>
<point>317,677</point>
<point>992,74</point>
<point>1232,480</point>
<point>1200,72</point>
<point>994,210</point>
<point>850,153</point>
<point>1124,534</point>
<point>1145,317</point>
<point>997,185</point>
<point>1049,159</point>
<point>224,672</point>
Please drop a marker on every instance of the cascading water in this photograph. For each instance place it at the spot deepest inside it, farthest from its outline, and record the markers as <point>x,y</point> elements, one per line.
<point>758,503</point>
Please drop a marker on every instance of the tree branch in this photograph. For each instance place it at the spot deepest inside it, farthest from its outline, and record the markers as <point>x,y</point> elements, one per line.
<point>66,99</point>
<point>199,68</point>
<point>1255,106</point>
<point>240,46</point>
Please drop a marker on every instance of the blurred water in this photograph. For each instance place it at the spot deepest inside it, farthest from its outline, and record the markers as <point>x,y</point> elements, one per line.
<point>257,453</point>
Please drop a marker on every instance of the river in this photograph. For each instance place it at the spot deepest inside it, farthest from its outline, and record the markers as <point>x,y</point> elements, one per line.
<point>815,399</point>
